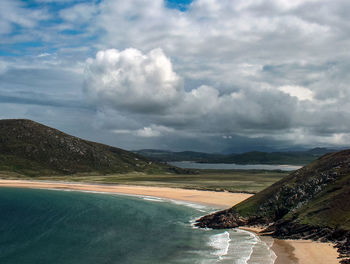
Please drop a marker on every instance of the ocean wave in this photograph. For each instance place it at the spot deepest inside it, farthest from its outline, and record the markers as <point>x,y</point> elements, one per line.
<point>220,243</point>
<point>198,207</point>
<point>153,199</point>
<point>257,251</point>
<point>245,246</point>
<point>262,252</point>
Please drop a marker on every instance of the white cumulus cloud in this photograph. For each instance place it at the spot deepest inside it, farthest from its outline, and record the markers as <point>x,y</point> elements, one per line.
<point>133,81</point>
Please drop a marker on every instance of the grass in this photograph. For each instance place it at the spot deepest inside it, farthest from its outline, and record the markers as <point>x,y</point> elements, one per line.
<point>249,181</point>
<point>330,208</point>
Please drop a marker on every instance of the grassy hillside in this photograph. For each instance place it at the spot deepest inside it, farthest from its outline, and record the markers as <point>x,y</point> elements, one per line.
<point>313,203</point>
<point>29,148</point>
<point>317,194</point>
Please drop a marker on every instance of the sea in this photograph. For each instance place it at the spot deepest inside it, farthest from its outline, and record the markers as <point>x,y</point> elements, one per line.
<point>73,227</point>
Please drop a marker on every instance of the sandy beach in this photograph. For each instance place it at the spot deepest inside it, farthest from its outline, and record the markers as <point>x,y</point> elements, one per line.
<point>304,252</point>
<point>287,251</point>
<point>301,251</point>
<point>215,199</point>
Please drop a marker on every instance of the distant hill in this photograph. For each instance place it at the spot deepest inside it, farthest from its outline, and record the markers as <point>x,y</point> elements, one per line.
<point>312,203</point>
<point>253,157</point>
<point>165,156</point>
<point>30,148</point>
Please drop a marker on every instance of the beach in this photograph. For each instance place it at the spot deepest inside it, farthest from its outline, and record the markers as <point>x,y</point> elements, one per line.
<point>215,199</point>
<point>300,251</point>
<point>287,251</point>
<point>304,252</point>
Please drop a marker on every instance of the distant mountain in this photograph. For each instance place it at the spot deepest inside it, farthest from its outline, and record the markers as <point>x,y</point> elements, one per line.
<point>163,155</point>
<point>311,203</point>
<point>253,157</point>
<point>30,148</point>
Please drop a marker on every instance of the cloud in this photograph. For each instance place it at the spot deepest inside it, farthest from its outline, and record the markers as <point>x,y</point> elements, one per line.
<point>149,132</point>
<point>3,67</point>
<point>41,86</point>
<point>45,54</point>
<point>271,72</point>
<point>145,132</point>
<point>53,1</point>
<point>145,88</point>
<point>14,12</point>
<point>133,81</point>
<point>79,13</point>
<point>137,83</point>
<point>301,93</point>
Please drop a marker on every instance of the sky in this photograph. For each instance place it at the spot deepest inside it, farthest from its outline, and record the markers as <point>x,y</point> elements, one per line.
<point>201,75</point>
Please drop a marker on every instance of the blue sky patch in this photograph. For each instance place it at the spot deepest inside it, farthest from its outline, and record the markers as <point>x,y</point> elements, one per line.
<point>181,5</point>
<point>71,32</point>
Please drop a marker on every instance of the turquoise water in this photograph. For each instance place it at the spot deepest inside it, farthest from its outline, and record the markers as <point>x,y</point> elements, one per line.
<point>50,226</point>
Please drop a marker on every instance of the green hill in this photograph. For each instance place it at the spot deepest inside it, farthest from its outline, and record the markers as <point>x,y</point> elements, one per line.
<point>312,202</point>
<point>30,148</point>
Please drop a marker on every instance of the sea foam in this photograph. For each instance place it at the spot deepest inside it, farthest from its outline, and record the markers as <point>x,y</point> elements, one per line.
<point>239,247</point>
<point>244,245</point>
<point>220,243</point>
<point>198,207</point>
<point>153,199</point>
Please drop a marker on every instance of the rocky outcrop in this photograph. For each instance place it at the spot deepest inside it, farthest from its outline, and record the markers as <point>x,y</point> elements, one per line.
<point>221,220</point>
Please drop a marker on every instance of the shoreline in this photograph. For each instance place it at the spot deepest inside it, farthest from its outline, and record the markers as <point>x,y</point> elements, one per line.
<point>219,200</point>
<point>301,251</point>
<point>287,251</point>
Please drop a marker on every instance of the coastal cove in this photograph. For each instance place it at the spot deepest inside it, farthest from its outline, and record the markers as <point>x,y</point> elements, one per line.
<point>203,202</point>
<point>174,132</point>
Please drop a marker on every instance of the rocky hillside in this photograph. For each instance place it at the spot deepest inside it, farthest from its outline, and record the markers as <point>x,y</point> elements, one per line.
<point>29,148</point>
<point>311,203</point>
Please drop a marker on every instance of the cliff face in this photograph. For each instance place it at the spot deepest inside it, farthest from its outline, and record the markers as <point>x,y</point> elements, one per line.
<point>313,202</point>
<point>27,147</point>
